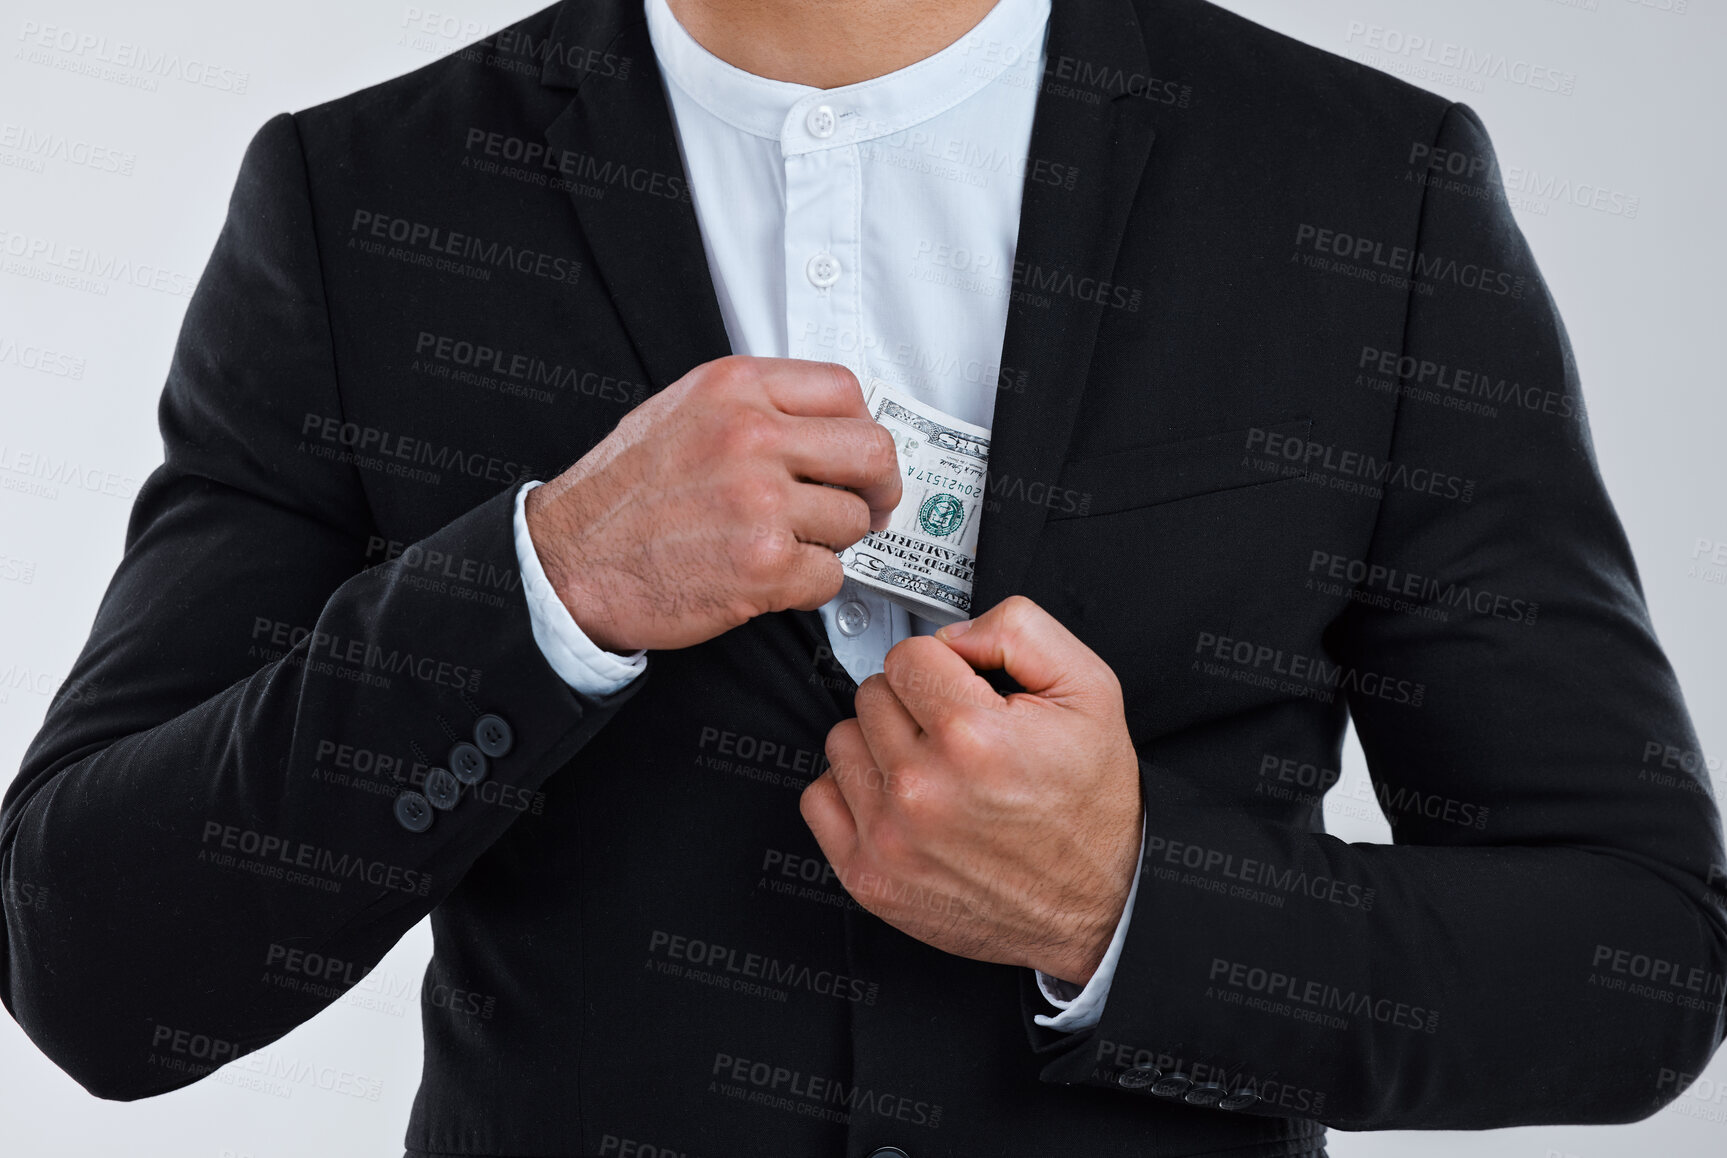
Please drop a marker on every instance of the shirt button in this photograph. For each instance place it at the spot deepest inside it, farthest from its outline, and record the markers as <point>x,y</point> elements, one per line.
<point>442,789</point>
<point>493,736</point>
<point>820,121</point>
<point>823,270</point>
<point>852,618</point>
<point>413,812</point>
<point>468,763</point>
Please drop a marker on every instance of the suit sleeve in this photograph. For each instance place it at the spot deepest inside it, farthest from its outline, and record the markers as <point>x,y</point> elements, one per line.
<point>1546,939</point>
<point>213,792</point>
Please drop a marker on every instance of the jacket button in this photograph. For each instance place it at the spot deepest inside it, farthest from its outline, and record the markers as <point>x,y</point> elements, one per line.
<point>493,735</point>
<point>889,1152</point>
<point>1239,1100</point>
<point>413,812</point>
<point>1139,1077</point>
<point>1171,1085</point>
<point>468,763</point>
<point>442,789</point>
<point>1207,1094</point>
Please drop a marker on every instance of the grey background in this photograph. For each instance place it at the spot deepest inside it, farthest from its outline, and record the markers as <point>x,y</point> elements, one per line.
<point>146,189</point>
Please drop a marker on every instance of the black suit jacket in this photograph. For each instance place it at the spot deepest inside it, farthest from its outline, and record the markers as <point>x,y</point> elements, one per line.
<point>1289,430</point>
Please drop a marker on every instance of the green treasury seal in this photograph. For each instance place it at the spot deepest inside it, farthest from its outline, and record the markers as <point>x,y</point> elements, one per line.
<point>941,515</point>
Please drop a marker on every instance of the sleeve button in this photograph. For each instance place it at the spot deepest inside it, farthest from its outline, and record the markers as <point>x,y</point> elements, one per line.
<point>1171,1085</point>
<point>494,736</point>
<point>1239,1100</point>
<point>442,789</point>
<point>413,812</point>
<point>468,763</point>
<point>1207,1094</point>
<point>1139,1077</point>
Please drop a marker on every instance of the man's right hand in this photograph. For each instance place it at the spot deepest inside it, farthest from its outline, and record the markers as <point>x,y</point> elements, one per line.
<point>704,508</point>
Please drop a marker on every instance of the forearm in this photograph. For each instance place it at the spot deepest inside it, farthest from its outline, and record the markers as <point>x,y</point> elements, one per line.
<point>180,853</point>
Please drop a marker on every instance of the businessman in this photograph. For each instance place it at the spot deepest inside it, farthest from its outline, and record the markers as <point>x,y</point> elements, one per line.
<point>491,574</point>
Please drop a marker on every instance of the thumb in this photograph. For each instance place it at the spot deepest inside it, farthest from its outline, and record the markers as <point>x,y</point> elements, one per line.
<point>1031,644</point>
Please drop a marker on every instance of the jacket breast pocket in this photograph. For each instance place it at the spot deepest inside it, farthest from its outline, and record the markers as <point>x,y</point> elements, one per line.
<point>1144,476</point>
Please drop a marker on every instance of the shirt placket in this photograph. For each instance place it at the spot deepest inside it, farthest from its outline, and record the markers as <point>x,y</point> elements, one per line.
<point>824,274</point>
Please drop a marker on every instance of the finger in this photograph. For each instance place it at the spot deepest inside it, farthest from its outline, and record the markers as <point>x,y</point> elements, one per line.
<point>831,518</point>
<point>891,734</point>
<point>1031,644</point>
<point>932,682</point>
<point>830,821</point>
<point>857,454</point>
<point>812,577</point>
<point>853,772</point>
<point>807,389</point>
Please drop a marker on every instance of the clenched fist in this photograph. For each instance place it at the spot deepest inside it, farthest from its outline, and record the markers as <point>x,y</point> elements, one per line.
<point>705,509</point>
<point>1021,813</point>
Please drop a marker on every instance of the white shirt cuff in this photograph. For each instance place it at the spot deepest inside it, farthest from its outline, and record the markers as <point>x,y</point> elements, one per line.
<point>578,661</point>
<point>1084,1009</point>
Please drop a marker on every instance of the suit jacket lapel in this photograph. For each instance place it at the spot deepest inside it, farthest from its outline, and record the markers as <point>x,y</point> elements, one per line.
<point>1094,114</point>
<point>642,231</point>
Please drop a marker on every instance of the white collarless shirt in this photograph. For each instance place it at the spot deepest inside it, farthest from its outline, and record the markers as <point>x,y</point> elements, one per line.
<point>872,225</point>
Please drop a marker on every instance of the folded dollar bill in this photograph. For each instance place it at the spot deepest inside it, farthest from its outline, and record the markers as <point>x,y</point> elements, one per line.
<point>926,558</point>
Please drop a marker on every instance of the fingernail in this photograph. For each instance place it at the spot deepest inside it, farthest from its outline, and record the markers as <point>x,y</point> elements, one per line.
<point>954,630</point>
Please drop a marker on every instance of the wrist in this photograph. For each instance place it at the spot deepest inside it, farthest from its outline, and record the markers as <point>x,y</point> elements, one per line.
<point>565,571</point>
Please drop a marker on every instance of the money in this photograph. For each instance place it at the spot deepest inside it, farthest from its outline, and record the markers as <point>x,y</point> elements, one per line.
<point>927,557</point>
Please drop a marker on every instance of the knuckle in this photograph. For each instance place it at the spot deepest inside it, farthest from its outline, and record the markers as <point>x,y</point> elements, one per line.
<point>827,578</point>
<point>1018,612</point>
<point>722,374</point>
<point>889,842</point>
<point>854,518</point>
<point>759,556</point>
<point>883,455</point>
<point>747,432</point>
<point>755,498</point>
<point>961,740</point>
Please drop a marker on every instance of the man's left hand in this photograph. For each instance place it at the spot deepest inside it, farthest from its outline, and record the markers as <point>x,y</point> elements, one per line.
<point>1002,829</point>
